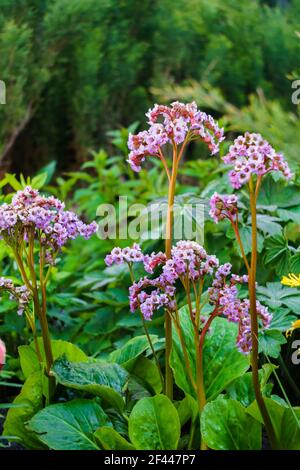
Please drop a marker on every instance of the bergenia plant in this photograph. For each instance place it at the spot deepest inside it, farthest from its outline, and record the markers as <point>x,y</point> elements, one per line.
<point>190,267</point>
<point>36,227</point>
<point>252,158</point>
<point>172,127</point>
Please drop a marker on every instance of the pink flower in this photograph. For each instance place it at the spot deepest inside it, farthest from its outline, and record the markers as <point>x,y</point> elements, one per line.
<point>223,207</point>
<point>173,124</point>
<point>251,154</point>
<point>2,354</point>
<point>45,217</point>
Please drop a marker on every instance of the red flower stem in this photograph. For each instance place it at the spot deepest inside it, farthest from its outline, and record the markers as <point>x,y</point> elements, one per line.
<point>254,320</point>
<point>238,238</point>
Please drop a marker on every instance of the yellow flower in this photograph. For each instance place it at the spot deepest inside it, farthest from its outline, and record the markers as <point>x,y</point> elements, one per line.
<point>294,326</point>
<point>291,280</point>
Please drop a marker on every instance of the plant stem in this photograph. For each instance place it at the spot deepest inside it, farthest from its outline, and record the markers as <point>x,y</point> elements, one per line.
<point>148,336</point>
<point>254,322</point>
<point>184,350</point>
<point>168,247</point>
<point>238,238</point>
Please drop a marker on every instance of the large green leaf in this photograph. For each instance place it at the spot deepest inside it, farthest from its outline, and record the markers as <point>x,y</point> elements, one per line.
<point>69,426</point>
<point>29,401</point>
<point>278,254</point>
<point>286,422</point>
<point>99,378</point>
<point>110,439</point>
<point>242,388</point>
<point>154,424</point>
<point>278,194</point>
<point>222,362</point>
<point>29,359</point>
<point>127,354</point>
<point>225,425</point>
<point>146,370</point>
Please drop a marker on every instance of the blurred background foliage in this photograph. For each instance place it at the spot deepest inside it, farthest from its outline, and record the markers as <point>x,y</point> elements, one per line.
<point>80,75</point>
<point>76,69</point>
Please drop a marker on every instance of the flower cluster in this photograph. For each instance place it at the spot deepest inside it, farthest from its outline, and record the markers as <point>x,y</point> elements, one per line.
<point>225,294</point>
<point>125,255</point>
<point>31,214</point>
<point>251,154</point>
<point>18,293</point>
<point>223,206</point>
<point>173,124</point>
<point>189,263</point>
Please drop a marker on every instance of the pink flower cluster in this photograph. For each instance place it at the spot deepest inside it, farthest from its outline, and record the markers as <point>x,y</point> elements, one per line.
<point>45,217</point>
<point>189,262</point>
<point>223,206</point>
<point>251,154</point>
<point>225,294</point>
<point>124,255</point>
<point>18,293</point>
<point>173,124</point>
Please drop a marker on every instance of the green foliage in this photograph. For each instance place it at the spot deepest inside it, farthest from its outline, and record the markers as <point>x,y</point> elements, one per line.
<point>29,402</point>
<point>233,430</point>
<point>69,426</point>
<point>107,381</point>
<point>88,66</point>
<point>219,369</point>
<point>286,422</point>
<point>154,424</point>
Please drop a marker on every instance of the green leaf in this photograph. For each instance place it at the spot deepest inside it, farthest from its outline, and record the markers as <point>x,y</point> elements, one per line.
<point>146,370</point>
<point>131,350</point>
<point>222,362</point>
<point>187,409</point>
<point>69,426</point>
<point>270,342</point>
<point>276,295</point>
<point>27,403</point>
<point>29,360</point>
<point>242,388</point>
<point>277,194</point>
<point>225,425</point>
<point>282,319</point>
<point>278,253</point>
<point>110,439</point>
<point>286,422</point>
<point>154,424</point>
<point>103,322</point>
<point>246,237</point>
<point>105,380</point>
<point>268,224</point>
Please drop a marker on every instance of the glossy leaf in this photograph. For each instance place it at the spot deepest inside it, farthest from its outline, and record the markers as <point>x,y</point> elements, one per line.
<point>154,424</point>
<point>28,402</point>
<point>69,426</point>
<point>225,425</point>
<point>110,439</point>
<point>29,359</point>
<point>222,362</point>
<point>286,422</point>
<point>131,350</point>
<point>99,378</point>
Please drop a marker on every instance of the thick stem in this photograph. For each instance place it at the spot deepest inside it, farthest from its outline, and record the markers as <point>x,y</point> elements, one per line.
<point>254,323</point>
<point>168,247</point>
